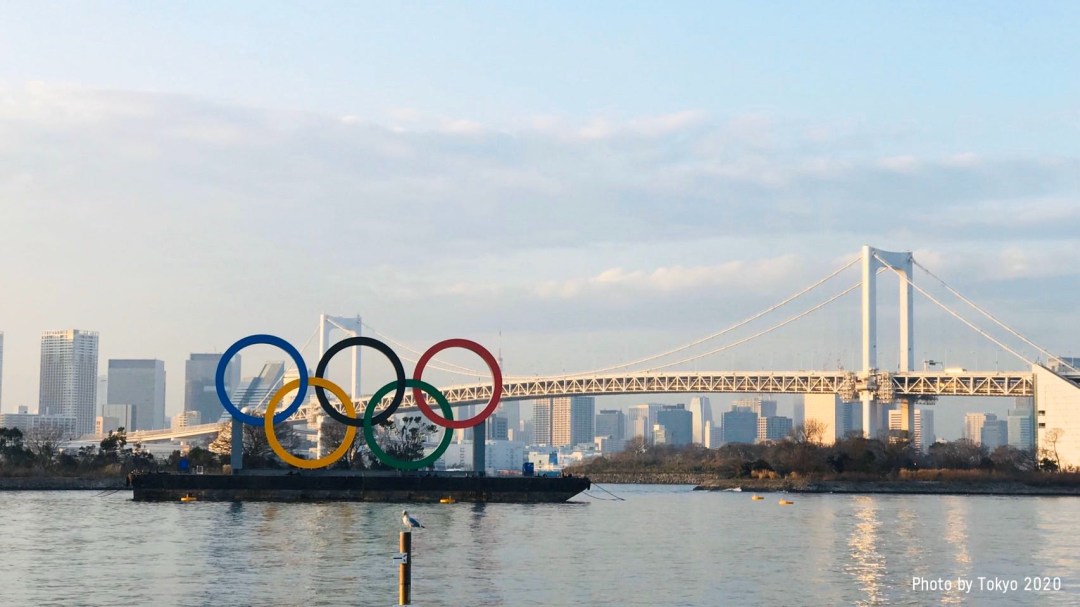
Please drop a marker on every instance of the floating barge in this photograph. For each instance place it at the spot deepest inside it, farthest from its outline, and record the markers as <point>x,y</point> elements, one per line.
<point>307,486</point>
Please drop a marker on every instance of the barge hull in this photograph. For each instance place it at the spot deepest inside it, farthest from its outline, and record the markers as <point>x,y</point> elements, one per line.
<point>355,488</point>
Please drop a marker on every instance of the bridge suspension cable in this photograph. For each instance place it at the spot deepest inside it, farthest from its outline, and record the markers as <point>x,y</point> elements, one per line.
<point>447,367</point>
<point>778,325</point>
<point>1044,351</point>
<point>721,332</point>
<point>957,316</point>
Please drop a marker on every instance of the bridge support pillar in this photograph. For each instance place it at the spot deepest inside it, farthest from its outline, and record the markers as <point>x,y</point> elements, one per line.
<point>479,448</point>
<point>236,452</point>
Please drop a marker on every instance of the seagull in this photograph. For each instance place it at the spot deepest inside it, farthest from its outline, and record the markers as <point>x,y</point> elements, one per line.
<point>409,521</point>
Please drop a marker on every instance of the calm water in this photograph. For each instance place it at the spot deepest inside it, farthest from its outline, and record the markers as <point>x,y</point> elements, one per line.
<point>661,546</point>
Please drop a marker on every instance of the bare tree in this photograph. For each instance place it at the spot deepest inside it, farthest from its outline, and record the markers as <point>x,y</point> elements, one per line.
<point>1051,438</point>
<point>256,445</point>
<point>813,431</point>
<point>44,441</point>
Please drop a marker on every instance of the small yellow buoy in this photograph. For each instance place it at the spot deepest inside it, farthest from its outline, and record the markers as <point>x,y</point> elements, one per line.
<point>188,498</point>
<point>757,498</point>
<point>786,502</point>
<point>447,500</point>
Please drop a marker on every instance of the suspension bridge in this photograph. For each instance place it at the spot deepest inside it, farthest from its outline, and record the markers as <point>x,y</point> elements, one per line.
<point>1055,387</point>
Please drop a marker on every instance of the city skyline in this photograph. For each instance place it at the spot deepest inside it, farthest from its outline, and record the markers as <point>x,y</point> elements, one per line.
<point>572,203</point>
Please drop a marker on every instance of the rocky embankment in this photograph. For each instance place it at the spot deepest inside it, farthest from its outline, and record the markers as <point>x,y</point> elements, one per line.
<point>638,478</point>
<point>967,487</point>
<point>61,483</point>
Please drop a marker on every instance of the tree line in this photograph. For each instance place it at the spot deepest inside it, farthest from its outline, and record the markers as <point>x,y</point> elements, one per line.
<point>40,451</point>
<point>804,455</point>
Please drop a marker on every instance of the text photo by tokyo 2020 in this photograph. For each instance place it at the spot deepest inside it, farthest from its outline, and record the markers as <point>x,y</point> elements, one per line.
<point>350,418</point>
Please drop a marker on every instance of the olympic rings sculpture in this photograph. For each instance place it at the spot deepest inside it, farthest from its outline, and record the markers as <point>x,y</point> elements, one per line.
<point>350,418</point>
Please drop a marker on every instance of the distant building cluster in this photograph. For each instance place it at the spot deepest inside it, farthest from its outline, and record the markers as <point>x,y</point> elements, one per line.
<point>1016,430</point>
<point>76,401</point>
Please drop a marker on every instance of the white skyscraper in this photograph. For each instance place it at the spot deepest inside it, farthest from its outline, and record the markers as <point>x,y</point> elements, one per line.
<point>701,411</point>
<point>1,370</point>
<point>140,383</point>
<point>68,385</point>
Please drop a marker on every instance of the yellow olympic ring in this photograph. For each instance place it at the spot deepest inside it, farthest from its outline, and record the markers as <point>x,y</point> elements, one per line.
<point>326,460</point>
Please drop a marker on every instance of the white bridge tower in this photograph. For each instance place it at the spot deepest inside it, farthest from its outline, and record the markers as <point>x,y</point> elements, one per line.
<point>351,326</point>
<point>873,418</point>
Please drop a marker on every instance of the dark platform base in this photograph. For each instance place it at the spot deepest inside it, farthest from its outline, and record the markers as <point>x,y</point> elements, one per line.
<point>327,486</point>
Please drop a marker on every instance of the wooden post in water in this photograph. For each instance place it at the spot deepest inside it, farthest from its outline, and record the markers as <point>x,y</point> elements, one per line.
<point>405,569</point>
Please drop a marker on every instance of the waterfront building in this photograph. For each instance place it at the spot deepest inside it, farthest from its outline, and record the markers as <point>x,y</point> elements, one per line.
<point>140,383</point>
<point>774,428</point>
<point>677,423</point>
<point>994,433</point>
<point>1057,416</point>
<point>701,411</point>
<point>68,382</point>
<point>27,423</point>
<point>1,370</point>
<point>200,390</point>
<point>740,425</point>
<point>611,423</point>
<point>500,457</point>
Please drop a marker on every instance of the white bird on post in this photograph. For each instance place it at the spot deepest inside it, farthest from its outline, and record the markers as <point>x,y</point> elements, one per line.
<point>409,521</point>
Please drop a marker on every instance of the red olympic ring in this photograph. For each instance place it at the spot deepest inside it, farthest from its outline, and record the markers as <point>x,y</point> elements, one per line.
<point>496,379</point>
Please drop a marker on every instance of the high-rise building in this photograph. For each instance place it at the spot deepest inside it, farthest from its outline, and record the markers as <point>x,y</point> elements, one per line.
<point>541,430</point>
<point>567,420</point>
<point>973,424</point>
<point>994,433</point>
<point>740,425</point>
<point>701,413</point>
<point>573,419</point>
<point>763,408</point>
<point>612,424</point>
<point>640,421</point>
<point>1021,422</point>
<point>200,389</point>
<point>677,423</point>
<point>773,428</point>
<point>923,433</point>
<point>140,383</point>
<point>68,385</point>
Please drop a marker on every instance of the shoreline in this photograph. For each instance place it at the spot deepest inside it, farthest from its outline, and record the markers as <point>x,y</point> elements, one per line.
<point>902,487</point>
<point>62,483</point>
<point>706,482</point>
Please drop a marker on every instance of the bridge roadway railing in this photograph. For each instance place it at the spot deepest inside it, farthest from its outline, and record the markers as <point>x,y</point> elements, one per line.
<point>887,387</point>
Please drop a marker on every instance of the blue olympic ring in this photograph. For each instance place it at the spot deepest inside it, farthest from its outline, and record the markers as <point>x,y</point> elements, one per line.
<point>270,340</point>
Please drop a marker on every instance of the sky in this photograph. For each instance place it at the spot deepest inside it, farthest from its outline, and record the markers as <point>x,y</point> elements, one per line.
<point>574,186</point>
